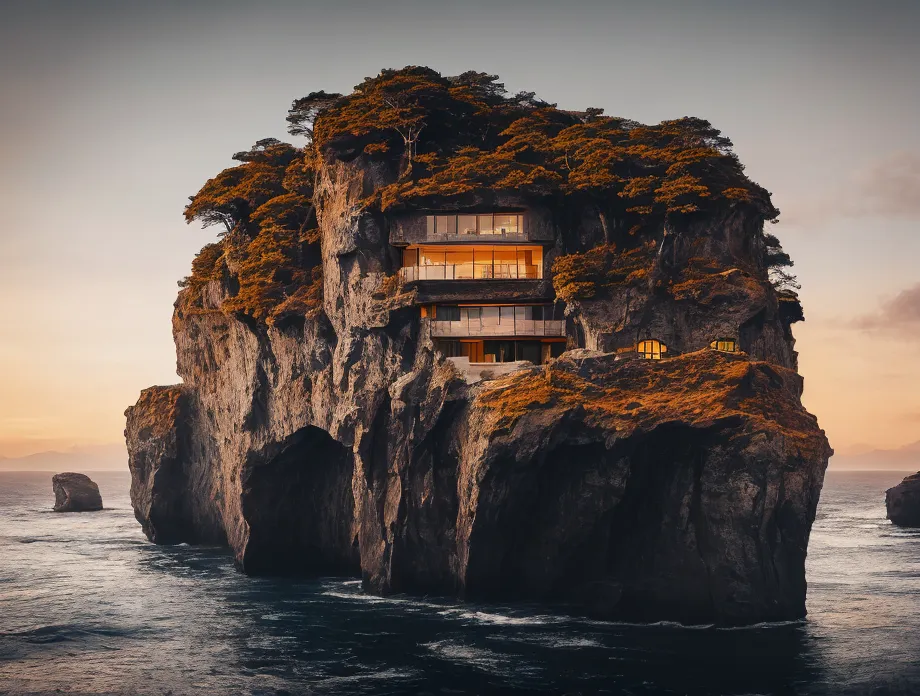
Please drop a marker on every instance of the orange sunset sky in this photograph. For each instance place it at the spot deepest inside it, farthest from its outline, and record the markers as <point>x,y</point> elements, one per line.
<point>112,115</point>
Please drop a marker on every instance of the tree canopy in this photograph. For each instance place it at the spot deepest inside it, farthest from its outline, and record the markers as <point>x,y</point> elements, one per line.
<point>455,136</point>
<point>451,140</point>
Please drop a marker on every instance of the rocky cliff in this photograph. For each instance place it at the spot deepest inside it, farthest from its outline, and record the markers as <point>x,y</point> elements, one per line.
<point>903,502</point>
<point>336,439</point>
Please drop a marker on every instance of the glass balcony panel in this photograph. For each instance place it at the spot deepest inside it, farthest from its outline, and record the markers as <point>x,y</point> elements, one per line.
<point>505,224</point>
<point>466,225</point>
<point>446,224</point>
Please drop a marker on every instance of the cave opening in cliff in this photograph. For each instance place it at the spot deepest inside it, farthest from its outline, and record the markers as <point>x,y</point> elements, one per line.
<point>299,507</point>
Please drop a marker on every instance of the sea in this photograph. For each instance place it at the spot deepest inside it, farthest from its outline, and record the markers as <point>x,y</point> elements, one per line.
<point>88,606</point>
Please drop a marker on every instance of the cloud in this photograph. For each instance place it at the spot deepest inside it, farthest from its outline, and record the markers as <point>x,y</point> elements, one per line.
<point>888,187</point>
<point>899,315</point>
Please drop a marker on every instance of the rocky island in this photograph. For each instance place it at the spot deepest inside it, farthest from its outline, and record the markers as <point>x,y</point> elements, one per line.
<point>903,502</point>
<point>75,493</point>
<point>464,342</point>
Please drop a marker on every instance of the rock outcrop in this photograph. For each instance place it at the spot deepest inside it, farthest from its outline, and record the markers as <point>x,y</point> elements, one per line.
<point>343,441</point>
<point>75,493</point>
<point>903,502</point>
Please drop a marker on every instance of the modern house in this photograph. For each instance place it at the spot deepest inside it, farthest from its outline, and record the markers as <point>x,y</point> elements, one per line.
<point>484,290</point>
<point>482,283</point>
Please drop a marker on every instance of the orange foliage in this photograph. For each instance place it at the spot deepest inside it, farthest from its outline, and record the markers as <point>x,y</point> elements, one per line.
<point>581,276</point>
<point>626,396</point>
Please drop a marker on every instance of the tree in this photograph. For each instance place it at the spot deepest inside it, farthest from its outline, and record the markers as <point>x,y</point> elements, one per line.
<point>230,197</point>
<point>269,151</point>
<point>303,112</point>
<point>777,261</point>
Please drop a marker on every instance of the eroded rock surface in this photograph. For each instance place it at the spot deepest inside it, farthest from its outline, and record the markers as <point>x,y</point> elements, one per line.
<point>75,493</point>
<point>344,442</point>
<point>903,502</point>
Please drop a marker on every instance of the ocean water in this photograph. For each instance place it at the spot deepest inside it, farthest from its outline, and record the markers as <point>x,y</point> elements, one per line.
<point>87,606</point>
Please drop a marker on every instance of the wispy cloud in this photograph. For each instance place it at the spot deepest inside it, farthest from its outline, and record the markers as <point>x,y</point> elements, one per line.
<point>888,187</point>
<point>898,316</point>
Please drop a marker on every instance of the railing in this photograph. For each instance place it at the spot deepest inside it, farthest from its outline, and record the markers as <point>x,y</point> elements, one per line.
<point>497,236</point>
<point>467,271</point>
<point>507,327</point>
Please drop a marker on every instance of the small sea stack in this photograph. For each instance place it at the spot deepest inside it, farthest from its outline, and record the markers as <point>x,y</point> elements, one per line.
<point>903,502</point>
<point>75,493</point>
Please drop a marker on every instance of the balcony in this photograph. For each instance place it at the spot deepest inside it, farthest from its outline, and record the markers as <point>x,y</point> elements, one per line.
<point>470,271</point>
<point>472,228</point>
<point>517,327</point>
<point>491,321</point>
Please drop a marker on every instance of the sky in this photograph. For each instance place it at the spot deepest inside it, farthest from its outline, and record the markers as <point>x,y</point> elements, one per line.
<point>112,113</point>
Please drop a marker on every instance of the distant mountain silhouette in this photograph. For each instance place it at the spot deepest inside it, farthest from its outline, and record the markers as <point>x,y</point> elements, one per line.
<point>906,458</point>
<point>90,458</point>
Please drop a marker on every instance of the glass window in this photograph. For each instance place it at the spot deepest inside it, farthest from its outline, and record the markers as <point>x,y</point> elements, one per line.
<point>410,257</point>
<point>529,263</point>
<point>536,313</point>
<point>485,224</point>
<point>482,257</point>
<point>651,349</point>
<point>505,262</point>
<point>447,313</point>
<point>446,224</point>
<point>491,316</point>
<point>466,224</point>
<point>431,256</point>
<point>473,314</point>
<point>726,345</point>
<point>449,349</point>
<point>460,263</point>
<point>429,220</point>
<point>528,350</point>
<point>506,224</point>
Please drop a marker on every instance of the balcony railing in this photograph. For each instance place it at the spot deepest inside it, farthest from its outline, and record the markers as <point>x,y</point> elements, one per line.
<point>467,271</point>
<point>507,327</point>
<point>496,236</point>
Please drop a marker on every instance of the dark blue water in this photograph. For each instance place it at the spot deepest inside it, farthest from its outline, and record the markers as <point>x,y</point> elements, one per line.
<point>88,606</point>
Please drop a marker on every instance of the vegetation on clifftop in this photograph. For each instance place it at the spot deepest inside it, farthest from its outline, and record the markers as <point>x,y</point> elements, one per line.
<point>455,141</point>
<point>269,244</point>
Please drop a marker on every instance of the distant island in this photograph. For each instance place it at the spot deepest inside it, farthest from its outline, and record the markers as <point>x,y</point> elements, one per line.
<point>906,458</point>
<point>113,457</point>
<point>464,342</point>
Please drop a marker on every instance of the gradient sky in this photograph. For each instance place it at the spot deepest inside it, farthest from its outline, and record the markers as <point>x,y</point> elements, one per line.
<point>113,113</point>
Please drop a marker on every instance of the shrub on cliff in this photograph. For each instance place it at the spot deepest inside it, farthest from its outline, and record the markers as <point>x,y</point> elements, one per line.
<point>270,244</point>
<point>582,276</point>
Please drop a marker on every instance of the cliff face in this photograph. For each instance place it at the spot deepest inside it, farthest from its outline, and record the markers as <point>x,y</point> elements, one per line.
<point>319,428</point>
<point>676,489</point>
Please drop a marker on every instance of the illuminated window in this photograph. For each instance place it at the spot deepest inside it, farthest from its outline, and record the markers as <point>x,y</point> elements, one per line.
<point>726,345</point>
<point>651,349</point>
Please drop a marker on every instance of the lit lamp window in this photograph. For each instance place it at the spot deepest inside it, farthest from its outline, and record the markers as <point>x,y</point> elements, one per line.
<point>651,349</point>
<point>726,345</point>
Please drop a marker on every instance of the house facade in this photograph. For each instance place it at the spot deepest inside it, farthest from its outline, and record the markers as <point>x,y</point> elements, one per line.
<point>483,283</point>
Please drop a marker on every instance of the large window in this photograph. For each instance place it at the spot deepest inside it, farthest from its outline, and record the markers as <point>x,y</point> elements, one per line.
<point>468,262</point>
<point>483,224</point>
